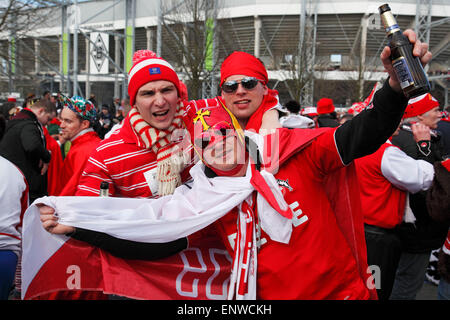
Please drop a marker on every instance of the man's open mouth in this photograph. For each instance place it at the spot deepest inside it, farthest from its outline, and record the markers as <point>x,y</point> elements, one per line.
<point>242,102</point>
<point>160,114</point>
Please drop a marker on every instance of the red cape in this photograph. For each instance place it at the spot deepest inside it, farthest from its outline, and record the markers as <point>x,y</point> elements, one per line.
<point>75,161</point>
<point>341,186</point>
<point>55,165</point>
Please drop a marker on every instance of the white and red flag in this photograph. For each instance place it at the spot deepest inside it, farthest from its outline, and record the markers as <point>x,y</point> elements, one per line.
<point>67,268</point>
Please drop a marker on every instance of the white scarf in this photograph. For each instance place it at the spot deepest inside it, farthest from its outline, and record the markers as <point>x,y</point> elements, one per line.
<point>181,214</point>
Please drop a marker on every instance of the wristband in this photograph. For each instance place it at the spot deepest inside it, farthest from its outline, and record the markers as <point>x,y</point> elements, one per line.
<point>70,234</point>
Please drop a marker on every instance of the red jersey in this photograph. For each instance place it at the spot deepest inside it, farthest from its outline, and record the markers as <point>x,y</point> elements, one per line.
<point>55,164</point>
<point>318,262</point>
<point>382,203</point>
<point>75,161</point>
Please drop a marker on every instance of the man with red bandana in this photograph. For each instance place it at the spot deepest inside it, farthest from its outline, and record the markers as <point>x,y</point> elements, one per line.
<point>314,269</point>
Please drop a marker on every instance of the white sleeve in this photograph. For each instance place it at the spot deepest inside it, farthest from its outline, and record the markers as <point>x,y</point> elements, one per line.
<point>405,172</point>
<point>12,189</point>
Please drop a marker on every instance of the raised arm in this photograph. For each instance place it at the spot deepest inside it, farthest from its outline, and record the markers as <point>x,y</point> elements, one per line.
<point>365,133</point>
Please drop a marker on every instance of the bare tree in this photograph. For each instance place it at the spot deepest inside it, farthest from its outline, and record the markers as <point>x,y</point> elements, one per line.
<point>189,24</point>
<point>17,19</point>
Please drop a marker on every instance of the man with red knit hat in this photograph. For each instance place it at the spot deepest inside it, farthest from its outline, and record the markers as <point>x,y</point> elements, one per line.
<point>419,234</point>
<point>137,161</point>
<point>327,116</point>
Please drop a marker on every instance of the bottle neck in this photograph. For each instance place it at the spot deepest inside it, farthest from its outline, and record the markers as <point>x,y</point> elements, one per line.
<point>389,23</point>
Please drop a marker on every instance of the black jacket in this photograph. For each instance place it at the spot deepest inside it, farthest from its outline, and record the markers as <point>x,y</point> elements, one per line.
<point>24,145</point>
<point>425,234</point>
<point>327,120</point>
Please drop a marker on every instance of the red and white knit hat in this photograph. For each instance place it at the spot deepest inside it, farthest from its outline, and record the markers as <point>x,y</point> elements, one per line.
<point>148,67</point>
<point>309,111</point>
<point>419,105</point>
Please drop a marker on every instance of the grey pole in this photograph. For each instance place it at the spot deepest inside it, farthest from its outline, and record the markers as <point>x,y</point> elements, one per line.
<point>75,52</point>
<point>159,29</point>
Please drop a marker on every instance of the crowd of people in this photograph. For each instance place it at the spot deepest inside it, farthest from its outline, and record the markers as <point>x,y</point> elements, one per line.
<point>341,194</point>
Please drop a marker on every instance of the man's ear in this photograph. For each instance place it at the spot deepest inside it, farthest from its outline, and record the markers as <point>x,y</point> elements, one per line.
<point>85,124</point>
<point>420,117</point>
<point>266,89</point>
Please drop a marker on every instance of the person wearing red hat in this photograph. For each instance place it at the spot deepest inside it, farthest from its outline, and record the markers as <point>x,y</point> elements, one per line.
<point>137,161</point>
<point>385,177</point>
<point>420,234</point>
<point>310,112</point>
<point>327,116</point>
<point>77,118</point>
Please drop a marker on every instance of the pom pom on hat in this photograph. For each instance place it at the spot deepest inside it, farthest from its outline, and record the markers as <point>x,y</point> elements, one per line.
<point>140,55</point>
<point>419,105</point>
<point>148,67</point>
<point>325,105</point>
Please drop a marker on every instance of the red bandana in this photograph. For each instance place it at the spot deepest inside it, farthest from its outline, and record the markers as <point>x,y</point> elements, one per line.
<point>243,63</point>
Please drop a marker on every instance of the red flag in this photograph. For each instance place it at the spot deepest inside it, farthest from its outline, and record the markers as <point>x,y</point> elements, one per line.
<point>80,271</point>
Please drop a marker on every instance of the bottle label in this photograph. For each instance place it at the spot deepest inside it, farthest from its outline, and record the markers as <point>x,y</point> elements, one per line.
<point>402,71</point>
<point>392,28</point>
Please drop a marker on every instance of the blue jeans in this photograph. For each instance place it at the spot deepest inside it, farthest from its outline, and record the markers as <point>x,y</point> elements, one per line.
<point>443,290</point>
<point>8,263</point>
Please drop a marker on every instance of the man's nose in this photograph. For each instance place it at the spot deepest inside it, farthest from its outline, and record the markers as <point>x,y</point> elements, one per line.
<point>159,99</point>
<point>240,89</point>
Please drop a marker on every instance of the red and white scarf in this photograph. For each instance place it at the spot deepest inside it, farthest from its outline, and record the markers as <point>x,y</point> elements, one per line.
<point>169,163</point>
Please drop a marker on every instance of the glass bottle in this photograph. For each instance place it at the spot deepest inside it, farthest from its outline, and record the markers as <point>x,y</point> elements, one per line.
<point>407,67</point>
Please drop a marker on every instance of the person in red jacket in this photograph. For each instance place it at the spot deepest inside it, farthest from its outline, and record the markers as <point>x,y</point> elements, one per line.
<point>385,177</point>
<point>77,118</point>
<point>138,160</point>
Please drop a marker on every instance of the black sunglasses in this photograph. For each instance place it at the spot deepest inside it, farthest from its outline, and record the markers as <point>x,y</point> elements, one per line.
<point>232,85</point>
<point>205,140</point>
